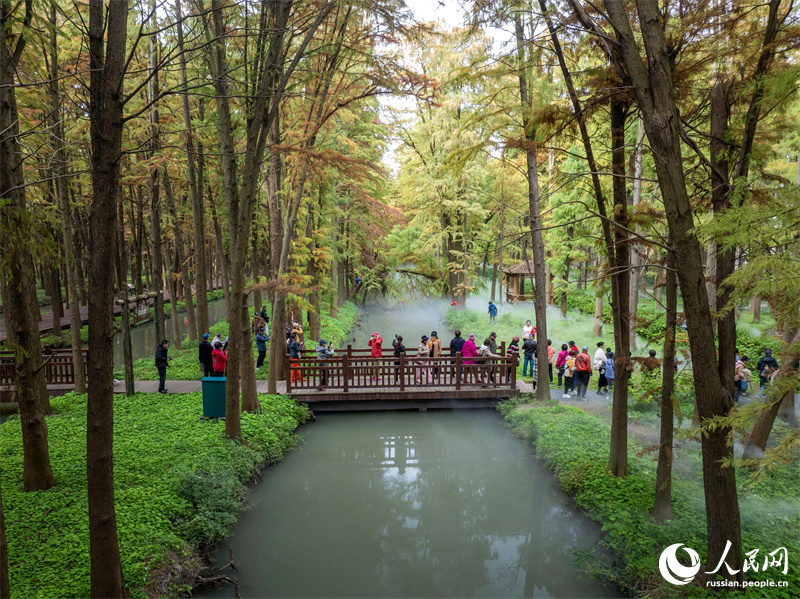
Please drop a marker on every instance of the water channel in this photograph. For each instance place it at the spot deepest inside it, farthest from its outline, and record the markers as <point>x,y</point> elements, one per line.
<point>409,504</point>
<point>143,341</point>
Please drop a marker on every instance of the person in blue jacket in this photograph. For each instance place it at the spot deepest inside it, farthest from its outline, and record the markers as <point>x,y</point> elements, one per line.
<point>261,345</point>
<point>492,312</point>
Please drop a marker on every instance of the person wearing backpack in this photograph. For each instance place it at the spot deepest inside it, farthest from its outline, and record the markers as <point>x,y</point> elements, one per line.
<point>569,374</point>
<point>766,367</point>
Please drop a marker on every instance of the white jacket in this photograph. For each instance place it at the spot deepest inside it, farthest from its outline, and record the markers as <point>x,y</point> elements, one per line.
<point>599,358</point>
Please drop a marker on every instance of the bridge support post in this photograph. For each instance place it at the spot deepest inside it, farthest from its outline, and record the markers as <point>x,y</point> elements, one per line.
<point>288,370</point>
<point>346,370</point>
<point>402,373</point>
<point>458,371</point>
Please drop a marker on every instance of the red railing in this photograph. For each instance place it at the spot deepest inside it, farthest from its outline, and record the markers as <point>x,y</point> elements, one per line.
<point>58,367</point>
<point>358,371</point>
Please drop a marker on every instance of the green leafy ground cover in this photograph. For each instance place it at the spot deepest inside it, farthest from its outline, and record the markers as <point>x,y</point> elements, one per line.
<point>178,483</point>
<point>185,366</point>
<point>574,444</point>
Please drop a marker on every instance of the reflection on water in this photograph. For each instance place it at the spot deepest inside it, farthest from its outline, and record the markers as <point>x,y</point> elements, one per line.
<point>407,504</point>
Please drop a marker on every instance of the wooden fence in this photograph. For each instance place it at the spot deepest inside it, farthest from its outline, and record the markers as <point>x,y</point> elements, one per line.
<point>58,367</point>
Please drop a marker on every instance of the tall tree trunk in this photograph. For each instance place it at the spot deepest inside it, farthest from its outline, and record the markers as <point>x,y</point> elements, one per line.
<point>537,244</point>
<point>633,300</point>
<point>662,508</point>
<point>597,329</point>
<point>311,271</point>
<point>195,191</point>
<point>56,300</point>
<point>156,256</point>
<point>107,71</point>
<point>620,281</point>
<point>250,401</point>
<point>122,293</point>
<point>755,309</point>
<point>18,277</point>
<point>180,268</point>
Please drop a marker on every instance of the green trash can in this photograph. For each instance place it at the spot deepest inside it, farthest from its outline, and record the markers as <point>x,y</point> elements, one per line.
<point>214,397</point>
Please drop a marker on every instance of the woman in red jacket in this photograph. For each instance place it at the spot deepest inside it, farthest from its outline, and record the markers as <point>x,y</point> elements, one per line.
<point>469,350</point>
<point>219,359</point>
<point>377,351</point>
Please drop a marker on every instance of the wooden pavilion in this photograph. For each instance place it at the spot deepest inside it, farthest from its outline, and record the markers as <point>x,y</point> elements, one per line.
<point>515,282</point>
<point>515,277</point>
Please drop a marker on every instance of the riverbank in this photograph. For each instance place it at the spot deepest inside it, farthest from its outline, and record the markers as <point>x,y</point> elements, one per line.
<point>179,487</point>
<point>184,365</point>
<point>574,445</point>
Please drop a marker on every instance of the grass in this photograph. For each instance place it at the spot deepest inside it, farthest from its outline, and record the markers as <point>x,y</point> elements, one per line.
<point>178,486</point>
<point>574,444</point>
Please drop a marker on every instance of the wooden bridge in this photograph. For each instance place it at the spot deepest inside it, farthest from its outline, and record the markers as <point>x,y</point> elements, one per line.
<point>355,380</point>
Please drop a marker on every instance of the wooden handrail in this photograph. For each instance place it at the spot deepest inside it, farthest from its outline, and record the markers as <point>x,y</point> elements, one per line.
<point>351,373</point>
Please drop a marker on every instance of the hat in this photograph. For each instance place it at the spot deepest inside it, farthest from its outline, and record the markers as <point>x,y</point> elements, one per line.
<point>472,336</point>
<point>322,342</point>
<point>205,335</point>
<point>375,334</point>
<point>585,348</point>
<point>492,334</point>
<point>424,337</point>
<point>515,338</point>
<point>434,334</point>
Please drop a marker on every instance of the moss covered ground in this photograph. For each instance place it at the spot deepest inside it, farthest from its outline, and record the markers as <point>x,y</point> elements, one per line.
<point>179,485</point>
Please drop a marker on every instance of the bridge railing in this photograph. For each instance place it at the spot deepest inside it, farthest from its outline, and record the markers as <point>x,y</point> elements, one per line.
<point>350,372</point>
<point>58,367</point>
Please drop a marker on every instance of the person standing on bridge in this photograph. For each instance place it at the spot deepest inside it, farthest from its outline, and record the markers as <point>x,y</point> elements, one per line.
<point>399,350</point>
<point>456,345</point>
<point>423,355</point>
<point>436,352</point>
<point>468,351</point>
<point>377,351</point>
<point>204,355</point>
<point>295,347</point>
<point>162,362</point>
<point>324,352</point>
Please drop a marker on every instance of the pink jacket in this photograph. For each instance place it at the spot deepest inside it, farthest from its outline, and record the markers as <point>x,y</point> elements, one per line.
<point>469,351</point>
<point>562,357</point>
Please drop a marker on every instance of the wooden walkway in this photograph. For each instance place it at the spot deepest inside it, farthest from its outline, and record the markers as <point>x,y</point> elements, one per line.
<point>47,323</point>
